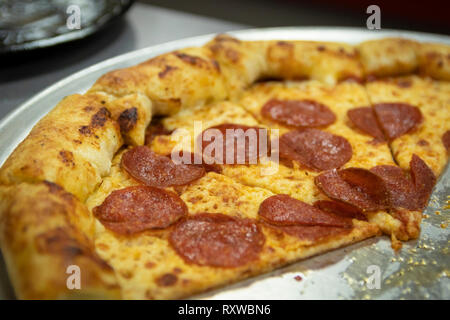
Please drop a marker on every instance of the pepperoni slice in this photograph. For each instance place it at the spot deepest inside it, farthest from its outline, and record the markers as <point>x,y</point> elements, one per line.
<point>397,119</point>
<point>358,187</point>
<point>315,149</point>
<point>217,240</point>
<point>446,140</point>
<point>410,190</point>
<point>424,180</point>
<point>298,113</point>
<point>281,209</point>
<point>135,209</point>
<point>208,167</point>
<point>399,184</point>
<point>240,144</point>
<point>340,208</point>
<point>364,119</point>
<point>158,171</point>
<point>311,233</point>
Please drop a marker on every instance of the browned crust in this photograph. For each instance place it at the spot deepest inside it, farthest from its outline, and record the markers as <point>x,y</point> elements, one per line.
<point>72,146</point>
<point>43,230</point>
<point>396,56</point>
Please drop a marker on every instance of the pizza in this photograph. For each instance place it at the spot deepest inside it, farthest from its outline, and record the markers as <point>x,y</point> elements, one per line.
<point>207,165</point>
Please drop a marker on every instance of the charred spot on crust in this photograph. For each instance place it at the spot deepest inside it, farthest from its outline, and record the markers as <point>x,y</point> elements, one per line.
<point>166,280</point>
<point>98,120</point>
<point>57,241</point>
<point>321,48</point>
<point>423,143</point>
<point>167,69</point>
<point>85,130</point>
<point>67,158</point>
<point>127,119</point>
<point>57,189</point>
<point>156,128</point>
<point>263,80</point>
<point>192,60</point>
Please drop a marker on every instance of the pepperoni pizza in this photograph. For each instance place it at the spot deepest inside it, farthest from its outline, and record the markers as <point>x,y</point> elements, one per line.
<point>208,165</point>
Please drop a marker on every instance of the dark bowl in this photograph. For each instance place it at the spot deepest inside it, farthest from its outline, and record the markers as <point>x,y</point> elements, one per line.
<point>28,25</point>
